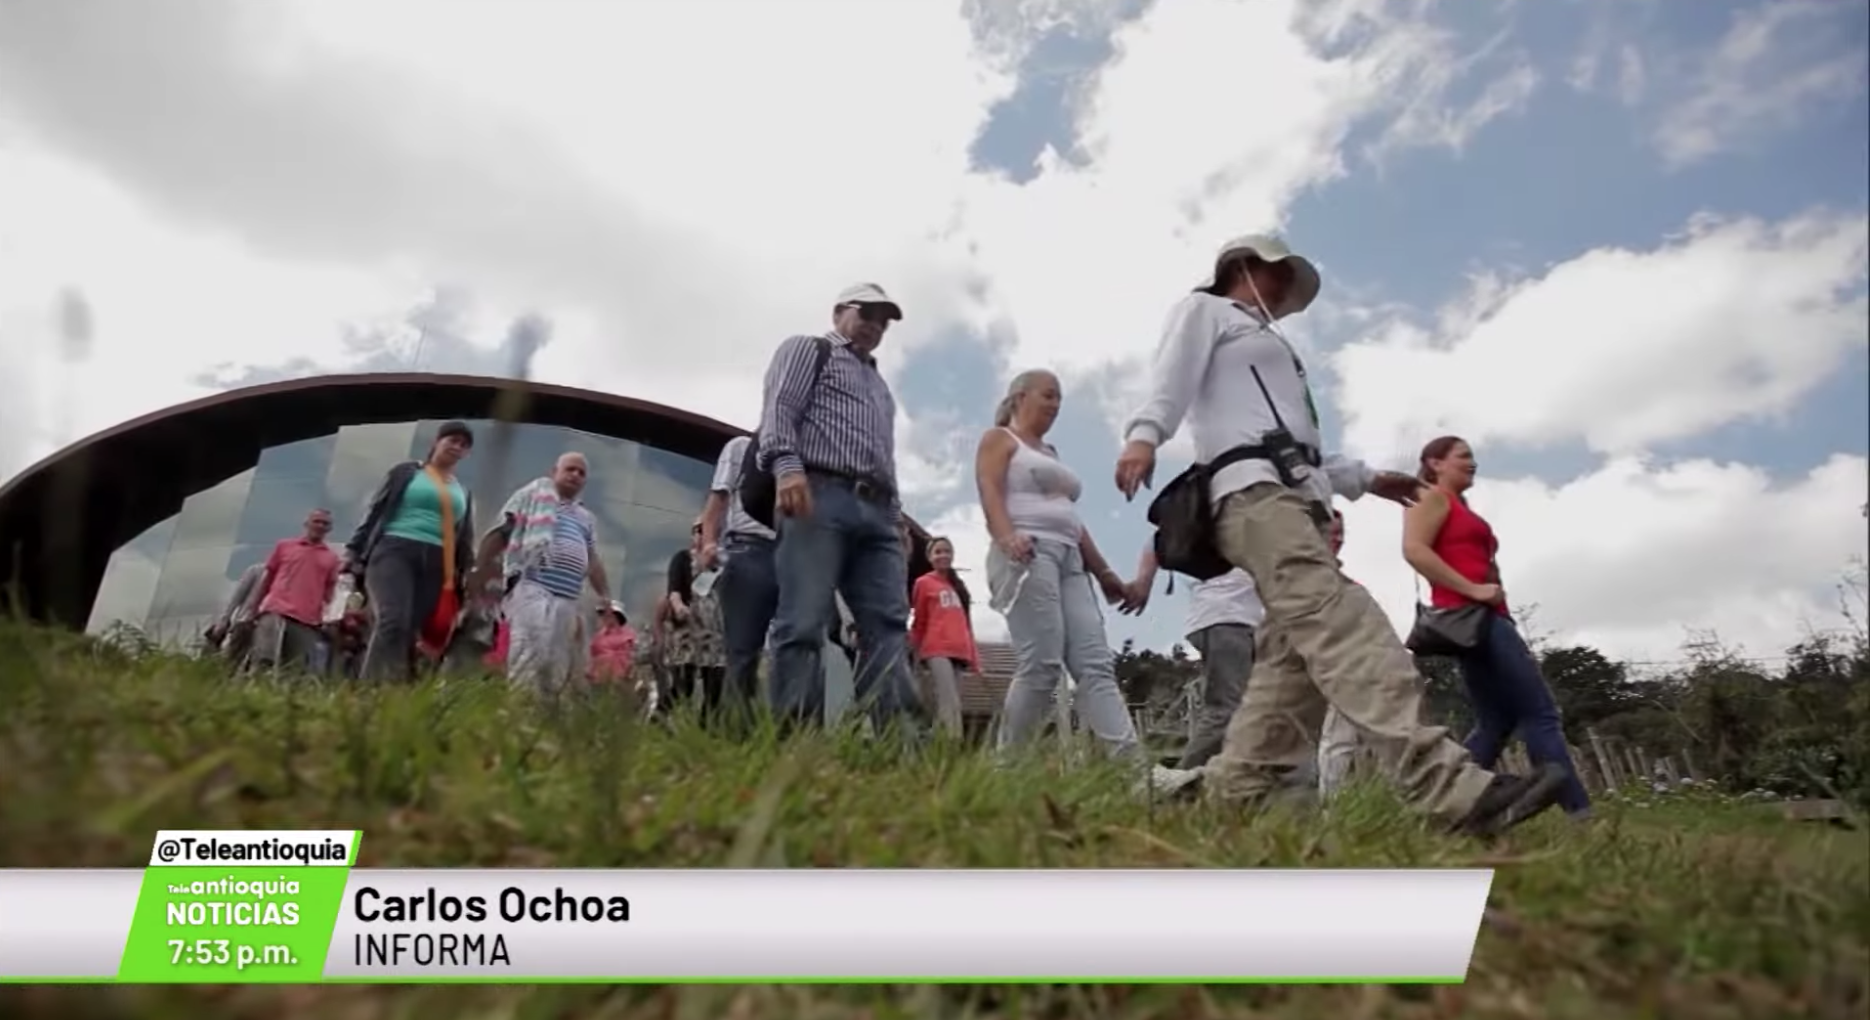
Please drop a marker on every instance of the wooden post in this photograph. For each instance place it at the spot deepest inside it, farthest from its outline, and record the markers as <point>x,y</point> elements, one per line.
<point>1634,765</point>
<point>1688,765</point>
<point>1668,771</point>
<point>1587,773</point>
<point>1606,769</point>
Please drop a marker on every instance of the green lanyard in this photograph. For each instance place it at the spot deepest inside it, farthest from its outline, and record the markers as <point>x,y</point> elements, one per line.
<point>1311,406</point>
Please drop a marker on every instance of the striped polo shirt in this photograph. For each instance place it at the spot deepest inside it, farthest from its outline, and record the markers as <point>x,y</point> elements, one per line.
<point>567,558</point>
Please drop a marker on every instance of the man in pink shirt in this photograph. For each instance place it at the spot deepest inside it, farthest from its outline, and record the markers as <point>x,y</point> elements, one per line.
<point>301,575</point>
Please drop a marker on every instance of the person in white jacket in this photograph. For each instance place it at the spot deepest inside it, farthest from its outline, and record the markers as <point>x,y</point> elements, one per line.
<point>1224,366</point>
<point>1224,617</point>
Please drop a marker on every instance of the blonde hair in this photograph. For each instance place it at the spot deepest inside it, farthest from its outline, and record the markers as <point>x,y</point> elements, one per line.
<point>1003,414</point>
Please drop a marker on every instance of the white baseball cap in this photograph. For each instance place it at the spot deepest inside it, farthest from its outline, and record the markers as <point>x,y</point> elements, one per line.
<point>868,294</point>
<point>1271,248</point>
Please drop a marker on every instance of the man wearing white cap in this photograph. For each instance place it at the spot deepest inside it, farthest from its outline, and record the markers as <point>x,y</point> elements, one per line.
<point>1259,498</point>
<point>827,439</point>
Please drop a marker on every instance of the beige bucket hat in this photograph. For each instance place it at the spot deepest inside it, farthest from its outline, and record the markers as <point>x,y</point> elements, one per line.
<point>1271,248</point>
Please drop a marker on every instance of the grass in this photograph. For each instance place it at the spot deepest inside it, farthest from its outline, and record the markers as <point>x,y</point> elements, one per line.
<point>1704,911</point>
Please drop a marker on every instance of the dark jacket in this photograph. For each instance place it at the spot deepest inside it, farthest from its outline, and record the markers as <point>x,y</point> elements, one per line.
<point>682,576</point>
<point>383,507</point>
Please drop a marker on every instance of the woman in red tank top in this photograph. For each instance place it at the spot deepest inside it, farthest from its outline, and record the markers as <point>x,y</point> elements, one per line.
<point>1454,550</point>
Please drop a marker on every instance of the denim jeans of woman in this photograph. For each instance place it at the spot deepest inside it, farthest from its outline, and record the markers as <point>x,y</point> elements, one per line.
<point>1509,694</point>
<point>403,581</point>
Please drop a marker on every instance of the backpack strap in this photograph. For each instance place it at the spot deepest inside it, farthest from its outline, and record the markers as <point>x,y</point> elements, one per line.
<point>821,357</point>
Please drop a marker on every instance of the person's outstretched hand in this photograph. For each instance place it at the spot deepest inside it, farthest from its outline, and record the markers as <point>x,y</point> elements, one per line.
<point>1396,487</point>
<point>1136,466</point>
<point>1135,597</point>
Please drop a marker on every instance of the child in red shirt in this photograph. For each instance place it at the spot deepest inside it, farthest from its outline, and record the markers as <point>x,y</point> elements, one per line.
<point>941,633</point>
<point>613,647</point>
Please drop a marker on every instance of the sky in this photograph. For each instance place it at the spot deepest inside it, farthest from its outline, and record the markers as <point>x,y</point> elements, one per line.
<point>1619,245</point>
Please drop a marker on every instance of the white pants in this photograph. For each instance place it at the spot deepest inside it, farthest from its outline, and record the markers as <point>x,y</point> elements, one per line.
<point>546,647</point>
<point>943,693</point>
<point>1057,627</point>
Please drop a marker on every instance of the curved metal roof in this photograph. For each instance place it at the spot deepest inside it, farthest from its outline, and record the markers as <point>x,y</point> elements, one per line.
<point>62,518</point>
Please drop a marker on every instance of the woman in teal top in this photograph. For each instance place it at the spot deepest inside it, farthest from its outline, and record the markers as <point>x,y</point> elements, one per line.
<point>419,517</point>
<point>398,551</point>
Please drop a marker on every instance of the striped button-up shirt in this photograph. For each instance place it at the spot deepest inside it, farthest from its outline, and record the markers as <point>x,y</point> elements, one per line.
<point>845,423</point>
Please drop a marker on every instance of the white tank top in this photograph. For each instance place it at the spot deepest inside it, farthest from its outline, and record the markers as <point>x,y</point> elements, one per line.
<point>1041,493</point>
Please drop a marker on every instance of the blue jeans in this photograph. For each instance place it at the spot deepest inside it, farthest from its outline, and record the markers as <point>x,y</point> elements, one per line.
<point>749,593</point>
<point>848,546</point>
<point>1508,693</point>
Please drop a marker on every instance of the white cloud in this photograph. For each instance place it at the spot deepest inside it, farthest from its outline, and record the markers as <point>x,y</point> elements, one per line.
<point>1611,46</point>
<point>1775,63</point>
<point>1627,557</point>
<point>1428,120</point>
<point>1085,260</point>
<point>1632,76</point>
<point>1732,321</point>
<point>167,304</point>
<point>237,185</point>
<point>680,198</point>
<point>933,456</point>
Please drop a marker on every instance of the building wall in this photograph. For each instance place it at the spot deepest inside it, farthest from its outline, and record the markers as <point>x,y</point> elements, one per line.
<point>173,579</point>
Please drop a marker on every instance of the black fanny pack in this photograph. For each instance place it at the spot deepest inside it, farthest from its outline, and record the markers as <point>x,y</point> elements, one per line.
<point>1183,512</point>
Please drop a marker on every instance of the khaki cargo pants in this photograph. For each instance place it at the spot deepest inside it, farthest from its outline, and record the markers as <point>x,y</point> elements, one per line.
<point>1326,643</point>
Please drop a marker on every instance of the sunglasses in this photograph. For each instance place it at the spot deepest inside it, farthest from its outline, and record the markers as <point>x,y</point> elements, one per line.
<point>875,315</point>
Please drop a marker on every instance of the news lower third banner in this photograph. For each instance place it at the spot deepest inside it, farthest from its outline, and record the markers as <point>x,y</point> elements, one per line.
<point>288,908</point>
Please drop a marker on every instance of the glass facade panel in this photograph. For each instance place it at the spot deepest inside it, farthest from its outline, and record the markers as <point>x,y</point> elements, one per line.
<point>173,579</point>
<point>307,458</point>
<point>209,517</point>
<point>664,480</point>
<point>194,582</point>
<point>277,507</point>
<point>359,458</point>
<point>130,580</point>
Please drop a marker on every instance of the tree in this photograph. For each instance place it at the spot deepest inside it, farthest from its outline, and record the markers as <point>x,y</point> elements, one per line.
<point>1588,687</point>
<point>1151,679</point>
<point>1445,701</point>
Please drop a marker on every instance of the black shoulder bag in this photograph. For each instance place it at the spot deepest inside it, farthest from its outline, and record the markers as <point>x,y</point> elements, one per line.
<point>1446,630</point>
<point>758,488</point>
<point>1183,515</point>
<point>1183,512</point>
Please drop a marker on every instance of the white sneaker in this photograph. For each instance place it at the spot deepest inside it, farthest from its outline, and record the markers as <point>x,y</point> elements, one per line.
<point>1166,782</point>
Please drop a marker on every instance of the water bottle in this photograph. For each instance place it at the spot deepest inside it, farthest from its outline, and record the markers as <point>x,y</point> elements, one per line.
<point>1003,590</point>
<point>704,582</point>
<point>340,599</point>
